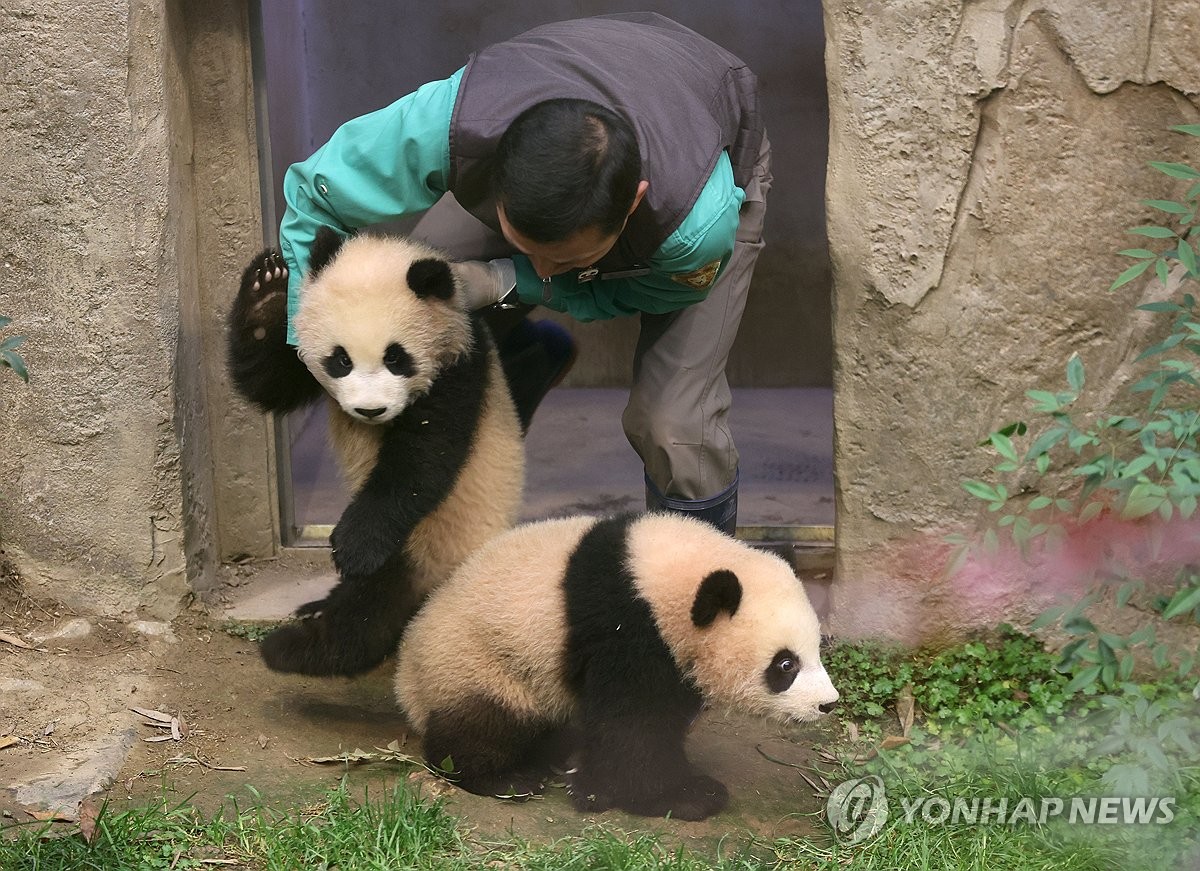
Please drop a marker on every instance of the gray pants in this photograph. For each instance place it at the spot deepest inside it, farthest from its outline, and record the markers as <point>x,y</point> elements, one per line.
<point>678,410</point>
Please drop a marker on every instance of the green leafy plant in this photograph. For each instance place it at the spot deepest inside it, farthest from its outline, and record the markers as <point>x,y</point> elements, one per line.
<point>1007,678</point>
<point>1071,465</point>
<point>9,358</point>
<point>1081,464</point>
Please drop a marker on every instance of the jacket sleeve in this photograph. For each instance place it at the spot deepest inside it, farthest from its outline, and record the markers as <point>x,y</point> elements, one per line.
<point>379,166</point>
<point>682,271</point>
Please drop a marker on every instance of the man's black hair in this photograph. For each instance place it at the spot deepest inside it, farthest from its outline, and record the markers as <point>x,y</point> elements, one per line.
<point>564,166</point>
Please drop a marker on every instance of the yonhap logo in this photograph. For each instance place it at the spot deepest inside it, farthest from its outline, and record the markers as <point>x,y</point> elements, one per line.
<point>857,809</point>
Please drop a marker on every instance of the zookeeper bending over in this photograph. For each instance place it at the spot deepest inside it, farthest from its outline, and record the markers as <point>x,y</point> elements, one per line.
<point>608,166</point>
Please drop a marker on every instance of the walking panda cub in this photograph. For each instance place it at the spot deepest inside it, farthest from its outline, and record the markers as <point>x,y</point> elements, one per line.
<point>599,640</point>
<point>421,420</point>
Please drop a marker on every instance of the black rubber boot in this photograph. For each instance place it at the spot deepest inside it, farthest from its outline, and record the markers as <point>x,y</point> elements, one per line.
<point>719,510</point>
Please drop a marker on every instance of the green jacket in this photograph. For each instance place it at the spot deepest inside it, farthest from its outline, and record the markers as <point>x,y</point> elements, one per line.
<point>396,162</point>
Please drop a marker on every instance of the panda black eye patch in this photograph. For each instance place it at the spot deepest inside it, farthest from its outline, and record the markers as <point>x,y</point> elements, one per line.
<point>399,361</point>
<point>781,673</point>
<point>338,364</point>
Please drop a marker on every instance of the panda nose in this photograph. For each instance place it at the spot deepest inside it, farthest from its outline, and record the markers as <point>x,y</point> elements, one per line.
<point>370,412</point>
<point>827,707</point>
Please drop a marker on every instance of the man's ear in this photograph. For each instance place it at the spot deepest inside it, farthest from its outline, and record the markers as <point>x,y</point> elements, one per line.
<point>643,186</point>
<point>720,591</point>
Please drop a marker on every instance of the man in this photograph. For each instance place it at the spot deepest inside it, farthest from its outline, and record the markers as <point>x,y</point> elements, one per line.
<point>621,164</point>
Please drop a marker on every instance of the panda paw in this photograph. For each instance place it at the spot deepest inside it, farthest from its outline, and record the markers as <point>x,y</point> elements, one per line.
<point>321,645</point>
<point>699,797</point>
<point>696,797</point>
<point>264,292</point>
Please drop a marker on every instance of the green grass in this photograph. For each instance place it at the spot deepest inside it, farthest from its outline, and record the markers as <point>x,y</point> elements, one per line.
<point>397,830</point>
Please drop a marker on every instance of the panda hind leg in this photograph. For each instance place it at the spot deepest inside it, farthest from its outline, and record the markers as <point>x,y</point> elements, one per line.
<point>488,749</point>
<point>353,629</point>
<point>265,369</point>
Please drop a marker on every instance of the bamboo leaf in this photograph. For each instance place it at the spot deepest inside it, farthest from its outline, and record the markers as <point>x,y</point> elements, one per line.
<point>1075,376</point>
<point>1185,600</point>
<point>1085,678</point>
<point>1187,257</point>
<point>980,490</point>
<point>1152,231</point>
<point>1170,206</point>
<point>1175,170</point>
<point>1130,274</point>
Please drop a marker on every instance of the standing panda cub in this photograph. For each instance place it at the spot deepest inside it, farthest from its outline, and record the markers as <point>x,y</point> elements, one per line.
<point>600,640</point>
<point>421,420</point>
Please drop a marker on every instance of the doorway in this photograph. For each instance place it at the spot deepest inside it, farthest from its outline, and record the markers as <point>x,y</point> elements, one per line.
<point>323,63</point>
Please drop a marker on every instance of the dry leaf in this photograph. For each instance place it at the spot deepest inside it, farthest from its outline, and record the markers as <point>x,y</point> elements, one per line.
<point>159,716</point>
<point>157,738</point>
<point>891,742</point>
<point>8,741</point>
<point>51,816</point>
<point>49,728</point>
<point>355,755</point>
<point>852,730</point>
<point>262,741</point>
<point>15,641</point>
<point>89,813</point>
<point>175,732</point>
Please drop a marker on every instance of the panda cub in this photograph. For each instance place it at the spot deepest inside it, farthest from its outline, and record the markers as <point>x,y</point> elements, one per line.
<point>599,640</point>
<point>421,420</point>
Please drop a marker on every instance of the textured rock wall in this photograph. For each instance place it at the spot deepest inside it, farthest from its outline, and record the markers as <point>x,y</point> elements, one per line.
<point>90,464</point>
<point>110,206</point>
<point>986,159</point>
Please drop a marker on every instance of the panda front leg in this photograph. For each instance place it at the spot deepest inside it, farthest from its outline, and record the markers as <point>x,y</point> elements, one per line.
<point>636,717</point>
<point>265,369</point>
<point>487,749</point>
<point>351,630</point>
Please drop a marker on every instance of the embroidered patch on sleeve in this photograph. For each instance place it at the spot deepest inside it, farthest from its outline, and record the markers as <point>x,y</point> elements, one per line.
<point>700,278</point>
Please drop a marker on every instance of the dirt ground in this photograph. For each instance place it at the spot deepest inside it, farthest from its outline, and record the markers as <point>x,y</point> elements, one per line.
<point>68,729</point>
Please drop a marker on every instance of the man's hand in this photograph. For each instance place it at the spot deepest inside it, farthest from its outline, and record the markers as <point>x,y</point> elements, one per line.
<point>485,283</point>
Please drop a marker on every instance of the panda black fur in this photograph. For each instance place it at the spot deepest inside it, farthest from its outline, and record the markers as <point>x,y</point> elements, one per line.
<point>420,417</point>
<point>598,641</point>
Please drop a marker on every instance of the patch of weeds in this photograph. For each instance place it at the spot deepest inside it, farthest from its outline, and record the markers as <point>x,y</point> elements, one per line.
<point>1007,677</point>
<point>995,768</point>
<point>998,720</point>
<point>145,839</point>
<point>254,632</point>
<point>398,830</point>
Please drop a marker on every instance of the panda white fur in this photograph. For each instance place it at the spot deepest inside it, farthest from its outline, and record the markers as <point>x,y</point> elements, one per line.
<point>420,417</point>
<point>598,641</point>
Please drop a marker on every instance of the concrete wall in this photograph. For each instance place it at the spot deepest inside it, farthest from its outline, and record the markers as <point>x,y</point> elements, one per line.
<point>985,160</point>
<point>110,244</point>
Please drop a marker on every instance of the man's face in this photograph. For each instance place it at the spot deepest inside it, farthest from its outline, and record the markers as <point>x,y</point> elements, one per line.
<point>575,252</point>
<point>554,258</point>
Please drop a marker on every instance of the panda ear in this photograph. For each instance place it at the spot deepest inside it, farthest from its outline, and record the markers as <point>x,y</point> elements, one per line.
<point>324,247</point>
<point>431,277</point>
<point>720,591</point>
